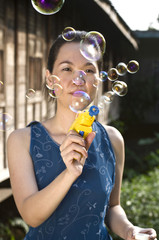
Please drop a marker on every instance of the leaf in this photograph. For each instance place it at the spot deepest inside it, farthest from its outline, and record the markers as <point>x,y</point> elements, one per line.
<point>146,141</point>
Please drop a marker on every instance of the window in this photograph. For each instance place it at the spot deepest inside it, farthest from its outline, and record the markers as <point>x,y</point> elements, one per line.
<point>35,73</point>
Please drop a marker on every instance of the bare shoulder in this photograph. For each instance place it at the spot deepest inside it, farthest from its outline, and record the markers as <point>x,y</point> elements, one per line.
<point>19,137</point>
<point>116,139</point>
<point>114,134</point>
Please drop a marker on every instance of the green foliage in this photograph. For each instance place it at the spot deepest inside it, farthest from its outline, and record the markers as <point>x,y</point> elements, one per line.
<point>144,159</point>
<point>5,232</point>
<point>140,164</point>
<point>147,141</point>
<point>139,198</point>
<point>14,229</point>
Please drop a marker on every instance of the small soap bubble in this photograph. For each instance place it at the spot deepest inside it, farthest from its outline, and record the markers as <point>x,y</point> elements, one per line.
<point>47,7</point>
<point>79,77</point>
<point>90,46</point>
<point>121,69</point>
<point>1,84</point>
<point>96,82</point>
<point>100,105</point>
<point>69,33</point>
<point>6,122</point>
<point>80,100</point>
<point>56,91</point>
<point>109,96</point>
<point>113,74</point>
<point>132,66</point>
<point>103,76</point>
<point>102,102</point>
<point>52,79</point>
<point>30,93</point>
<point>120,88</point>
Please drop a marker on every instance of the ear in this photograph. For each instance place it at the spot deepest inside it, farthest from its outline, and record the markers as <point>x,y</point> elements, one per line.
<point>49,81</point>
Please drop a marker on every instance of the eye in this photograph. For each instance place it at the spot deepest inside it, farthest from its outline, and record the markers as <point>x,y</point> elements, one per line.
<point>90,71</point>
<point>67,69</point>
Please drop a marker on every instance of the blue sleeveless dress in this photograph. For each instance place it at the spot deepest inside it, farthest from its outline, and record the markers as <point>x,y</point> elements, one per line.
<point>80,216</point>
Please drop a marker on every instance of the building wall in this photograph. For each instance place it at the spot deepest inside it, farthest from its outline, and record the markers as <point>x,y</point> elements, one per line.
<point>25,39</point>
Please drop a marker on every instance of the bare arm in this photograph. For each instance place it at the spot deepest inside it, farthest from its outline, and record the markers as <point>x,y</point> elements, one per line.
<point>116,218</point>
<point>36,206</point>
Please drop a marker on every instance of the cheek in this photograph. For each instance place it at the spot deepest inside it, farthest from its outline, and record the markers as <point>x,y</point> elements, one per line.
<point>92,90</point>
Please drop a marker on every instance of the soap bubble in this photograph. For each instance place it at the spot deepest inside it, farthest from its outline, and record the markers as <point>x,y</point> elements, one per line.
<point>103,76</point>
<point>92,46</point>
<point>132,66</point>
<point>54,87</point>
<point>30,93</point>
<point>52,80</point>
<point>79,77</point>
<point>105,99</point>
<point>6,122</point>
<point>47,7</point>
<point>80,100</point>
<point>109,96</point>
<point>120,88</point>
<point>121,69</point>
<point>113,74</point>
<point>1,84</point>
<point>100,39</point>
<point>101,102</point>
<point>56,91</point>
<point>69,33</point>
<point>96,82</point>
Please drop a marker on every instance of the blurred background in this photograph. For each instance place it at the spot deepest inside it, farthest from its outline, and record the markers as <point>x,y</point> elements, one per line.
<point>131,33</point>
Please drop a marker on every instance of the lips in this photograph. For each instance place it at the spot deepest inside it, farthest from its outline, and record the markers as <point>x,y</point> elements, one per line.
<point>77,90</point>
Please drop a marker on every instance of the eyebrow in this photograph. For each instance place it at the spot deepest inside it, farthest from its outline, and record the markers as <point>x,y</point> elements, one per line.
<point>68,62</point>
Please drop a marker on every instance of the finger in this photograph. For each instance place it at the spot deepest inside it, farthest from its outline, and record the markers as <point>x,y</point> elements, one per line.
<point>149,231</point>
<point>72,137</point>
<point>89,139</point>
<point>75,147</point>
<point>73,155</point>
<point>82,160</point>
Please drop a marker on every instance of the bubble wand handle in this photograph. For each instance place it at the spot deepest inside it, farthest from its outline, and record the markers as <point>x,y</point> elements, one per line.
<point>83,122</point>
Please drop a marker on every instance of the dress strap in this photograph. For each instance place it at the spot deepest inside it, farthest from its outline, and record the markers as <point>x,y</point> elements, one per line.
<point>32,123</point>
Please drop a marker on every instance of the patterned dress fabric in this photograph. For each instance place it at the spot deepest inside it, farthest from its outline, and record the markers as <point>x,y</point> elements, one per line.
<point>80,216</point>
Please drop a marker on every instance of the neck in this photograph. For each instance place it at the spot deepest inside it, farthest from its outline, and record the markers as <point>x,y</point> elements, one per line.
<point>63,119</point>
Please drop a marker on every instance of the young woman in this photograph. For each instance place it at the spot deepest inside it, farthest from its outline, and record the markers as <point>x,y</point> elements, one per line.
<point>66,187</point>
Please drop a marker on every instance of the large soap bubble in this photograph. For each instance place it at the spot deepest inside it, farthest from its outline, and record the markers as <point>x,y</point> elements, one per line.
<point>80,100</point>
<point>47,7</point>
<point>92,46</point>
<point>78,77</point>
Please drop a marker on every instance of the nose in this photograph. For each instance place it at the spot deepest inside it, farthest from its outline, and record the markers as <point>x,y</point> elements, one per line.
<point>79,77</point>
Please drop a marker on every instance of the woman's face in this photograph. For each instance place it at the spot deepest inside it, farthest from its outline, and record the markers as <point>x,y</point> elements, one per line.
<point>75,72</point>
